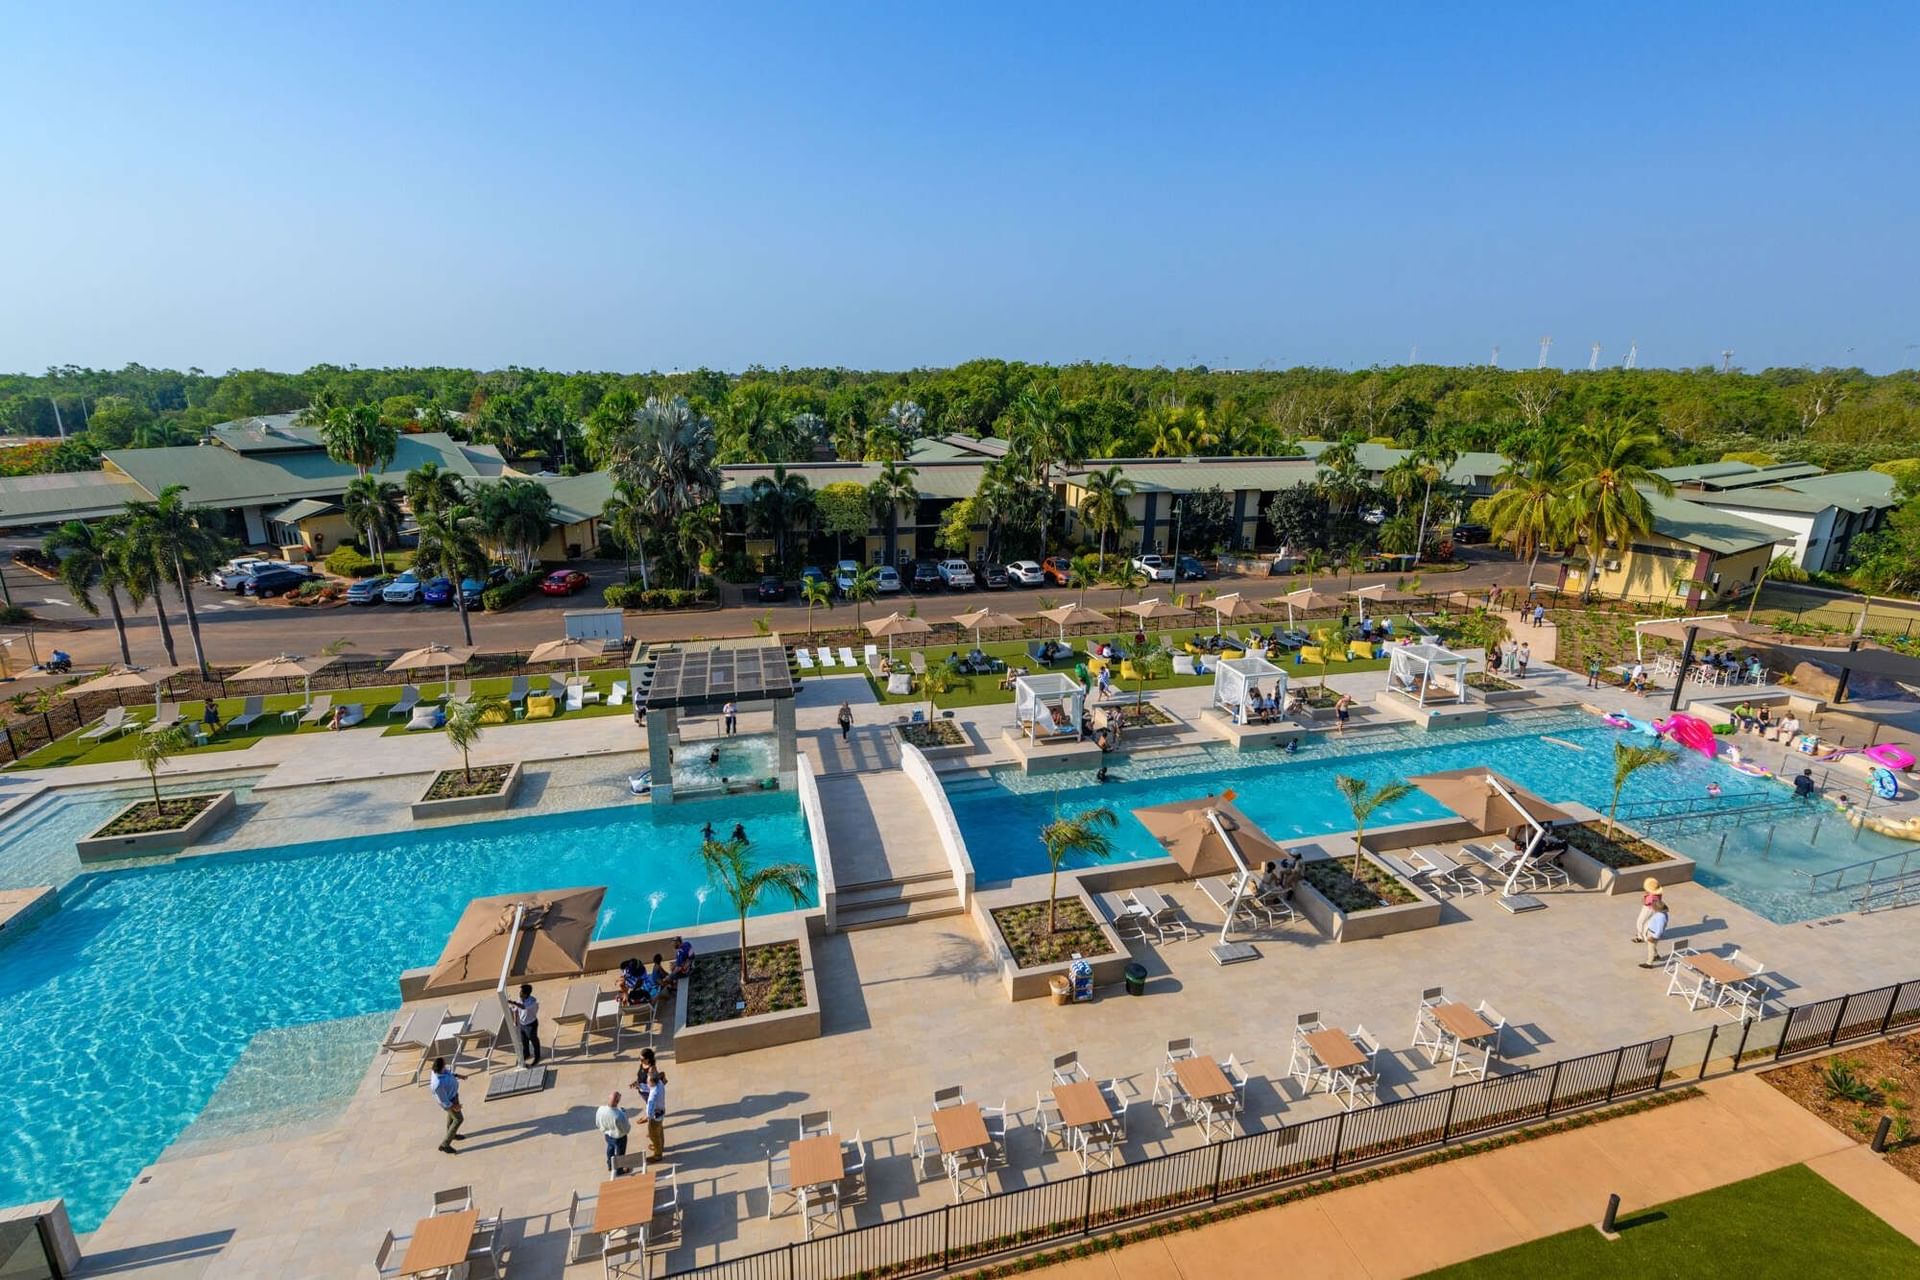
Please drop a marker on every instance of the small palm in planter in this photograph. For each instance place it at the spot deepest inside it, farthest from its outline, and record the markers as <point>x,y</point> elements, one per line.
<point>464,723</point>
<point>1627,761</point>
<point>1365,801</point>
<point>1085,833</point>
<point>153,750</point>
<point>730,869</point>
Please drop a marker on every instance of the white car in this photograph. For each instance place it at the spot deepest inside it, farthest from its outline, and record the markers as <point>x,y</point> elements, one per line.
<point>843,575</point>
<point>1153,568</point>
<point>957,574</point>
<point>887,582</point>
<point>1027,573</point>
<point>404,589</point>
<point>230,575</point>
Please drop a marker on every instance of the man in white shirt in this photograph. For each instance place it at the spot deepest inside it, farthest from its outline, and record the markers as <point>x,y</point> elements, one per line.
<point>526,1011</point>
<point>614,1126</point>
<point>446,1092</point>
<point>732,713</point>
<point>656,1114</point>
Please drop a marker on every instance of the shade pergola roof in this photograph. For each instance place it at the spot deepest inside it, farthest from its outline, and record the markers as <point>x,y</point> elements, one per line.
<point>1146,610</point>
<point>897,624</point>
<point>988,619</point>
<point>114,679</point>
<point>1308,598</point>
<point>710,675</point>
<point>1717,625</point>
<point>553,938</point>
<point>1182,829</point>
<point>1382,592</point>
<point>1233,676</point>
<point>1468,793</point>
<point>287,666</point>
<point>1075,615</point>
<point>566,649</point>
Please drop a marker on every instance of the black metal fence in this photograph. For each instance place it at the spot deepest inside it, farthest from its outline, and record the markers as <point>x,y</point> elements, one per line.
<point>957,1235</point>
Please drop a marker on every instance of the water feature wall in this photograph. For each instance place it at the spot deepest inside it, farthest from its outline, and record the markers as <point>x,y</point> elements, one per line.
<point>808,792</point>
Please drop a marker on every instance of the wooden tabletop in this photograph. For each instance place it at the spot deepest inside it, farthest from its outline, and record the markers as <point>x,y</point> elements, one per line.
<point>812,1161</point>
<point>1082,1103</point>
<point>1335,1049</point>
<point>1202,1078</point>
<point>1717,968</point>
<point>440,1242</point>
<point>1461,1022</point>
<point>960,1128</point>
<point>624,1202</point>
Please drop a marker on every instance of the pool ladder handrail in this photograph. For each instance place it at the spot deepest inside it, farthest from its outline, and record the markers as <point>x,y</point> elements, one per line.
<point>1902,889</point>
<point>1839,874</point>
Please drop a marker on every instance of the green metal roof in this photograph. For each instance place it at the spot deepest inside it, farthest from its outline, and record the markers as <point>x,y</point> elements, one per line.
<point>216,476</point>
<point>932,479</point>
<point>1187,475</point>
<point>269,434</point>
<point>1699,526</point>
<point>67,495</point>
<point>1467,468</point>
<point>304,509</point>
<point>578,498</point>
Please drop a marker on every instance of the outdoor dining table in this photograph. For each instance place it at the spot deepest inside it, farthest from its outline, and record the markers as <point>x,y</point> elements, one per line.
<point>1463,1026</point>
<point>1202,1078</point>
<point>812,1162</point>
<point>440,1243</point>
<point>1335,1049</point>
<point>1716,968</point>
<point>1082,1104</point>
<point>960,1129</point>
<point>624,1204</point>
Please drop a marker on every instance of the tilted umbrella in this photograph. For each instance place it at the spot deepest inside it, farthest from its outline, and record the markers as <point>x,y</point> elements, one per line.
<point>1185,833</point>
<point>1491,802</point>
<point>1146,611</point>
<point>1229,606</point>
<point>896,624</point>
<point>1075,615</point>
<point>567,648</point>
<point>529,936</point>
<point>1307,600</point>
<point>433,655</point>
<point>116,679</point>
<point>980,618</point>
<point>288,666</point>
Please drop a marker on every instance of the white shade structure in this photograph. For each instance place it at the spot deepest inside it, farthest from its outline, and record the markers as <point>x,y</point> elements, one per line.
<point>116,679</point>
<point>1307,600</point>
<point>288,666</point>
<point>896,624</point>
<point>1047,705</point>
<point>1146,611</point>
<point>1234,678</point>
<point>433,655</point>
<point>1427,672</point>
<point>980,618</point>
<point>1231,605</point>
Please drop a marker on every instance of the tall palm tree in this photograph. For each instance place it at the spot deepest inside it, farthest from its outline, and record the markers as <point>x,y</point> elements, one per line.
<point>1612,468</point>
<point>731,871</point>
<point>1629,759</point>
<point>817,592</point>
<point>315,414</point>
<point>88,559</point>
<point>143,576</point>
<point>1434,460</point>
<point>778,503</point>
<point>1338,477</point>
<point>1365,801</point>
<point>518,514</point>
<point>355,434</point>
<point>1087,834</point>
<point>862,587</point>
<point>1528,508</point>
<point>429,488</point>
<point>626,521</point>
<point>373,509</point>
<point>893,486</point>
<point>168,533</point>
<point>1104,506</point>
<point>1045,435</point>
<point>450,544</point>
<point>661,454</point>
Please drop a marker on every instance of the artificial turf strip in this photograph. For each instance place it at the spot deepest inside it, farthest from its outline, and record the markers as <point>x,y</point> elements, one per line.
<point>1791,1222</point>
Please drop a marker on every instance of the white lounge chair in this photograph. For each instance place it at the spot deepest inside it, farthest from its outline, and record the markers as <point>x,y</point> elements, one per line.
<point>425,716</point>
<point>250,710</point>
<point>1159,915</point>
<point>617,696</point>
<point>409,699</point>
<point>114,722</point>
<point>1250,909</point>
<point>846,658</point>
<point>826,658</point>
<point>320,712</point>
<point>576,695</point>
<point>803,658</point>
<point>872,654</point>
<point>165,718</point>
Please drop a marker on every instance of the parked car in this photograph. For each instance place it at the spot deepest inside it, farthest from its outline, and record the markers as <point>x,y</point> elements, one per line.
<point>770,588</point>
<point>472,589</point>
<point>1058,569</point>
<point>1191,570</point>
<point>404,589</point>
<point>843,575</point>
<point>563,582</point>
<point>926,575</point>
<point>1468,534</point>
<point>276,580</point>
<point>1027,573</point>
<point>992,576</point>
<point>957,575</point>
<point>813,573</point>
<point>887,581</point>
<point>367,590</point>
<point>232,575</point>
<point>1153,568</point>
<point>438,592</point>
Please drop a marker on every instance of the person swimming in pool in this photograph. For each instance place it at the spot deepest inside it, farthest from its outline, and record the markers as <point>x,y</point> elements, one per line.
<point>740,833</point>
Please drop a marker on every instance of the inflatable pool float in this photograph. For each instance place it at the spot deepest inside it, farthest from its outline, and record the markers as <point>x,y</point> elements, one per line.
<point>1690,731</point>
<point>1747,767</point>
<point>1885,785</point>
<point>1891,756</point>
<point>1619,721</point>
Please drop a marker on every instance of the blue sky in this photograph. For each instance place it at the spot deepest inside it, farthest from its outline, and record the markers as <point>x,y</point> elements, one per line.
<point>636,186</point>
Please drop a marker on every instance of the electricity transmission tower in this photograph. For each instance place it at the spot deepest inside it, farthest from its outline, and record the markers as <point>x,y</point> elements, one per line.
<point>1545,342</point>
<point>1494,362</point>
<point>1593,358</point>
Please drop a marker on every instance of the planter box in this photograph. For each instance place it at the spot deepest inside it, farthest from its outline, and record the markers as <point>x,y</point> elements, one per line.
<point>461,806</point>
<point>950,752</point>
<point>761,1031</point>
<point>1377,922</point>
<point>1494,697</point>
<point>1035,982</point>
<point>97,848</point>
<point>1591,873</point>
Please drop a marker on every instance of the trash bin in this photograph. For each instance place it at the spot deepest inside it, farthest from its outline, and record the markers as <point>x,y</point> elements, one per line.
<point>1136,979</point>
<point>1062,988</point>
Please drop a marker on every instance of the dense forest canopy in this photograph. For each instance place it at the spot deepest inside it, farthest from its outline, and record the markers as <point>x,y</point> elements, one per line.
<point>1840,418</point>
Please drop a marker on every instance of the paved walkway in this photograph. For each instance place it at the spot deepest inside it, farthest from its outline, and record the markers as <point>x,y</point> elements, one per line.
<point>1451,1212</point>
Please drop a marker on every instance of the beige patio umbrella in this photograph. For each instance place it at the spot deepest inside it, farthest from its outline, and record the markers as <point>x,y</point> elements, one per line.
<point>288,666</point>
<point>433,655</point>
<point>568,648</point>
<point>896,624</point>
<point>1488,800</point>
<point>1075,615</point>
<point>116,679</point>
<point>1145,611</point>
<point>517,936</point>
<point>1307,600</point>
<point>1183,830</point>
<point>1232,605</point>
<point>980,618</point>
<point>1380,593</point>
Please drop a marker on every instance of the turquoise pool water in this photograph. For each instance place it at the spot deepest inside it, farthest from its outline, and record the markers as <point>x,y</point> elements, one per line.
<point>1567,758</point>
<point>127,1007</point>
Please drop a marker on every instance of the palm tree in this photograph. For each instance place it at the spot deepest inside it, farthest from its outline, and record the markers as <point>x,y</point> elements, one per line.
<point>661,454</point>
<point>142,575</point>
<point>1612,468</point>
<point>1323,640</point>
<point>776,504</point>
<point>1338,477</point>
<point>1629,759</point>
<point>355,434</point>
<point>1529,507</point>
<point>733,873</point>
<point>626,522</point>
<point>87,559</point>
<point>1104,506</point>
<point>1083,572</point>
<point>864,586</point>
<point>1155,664</point>
<point>429,488</point>
<point>939,679</point>
<point>818,591</point>
<point>1043,431</point>
<point>168,534</point>
<point>153,750</point>
<point>465,720</point>
<point>1086,834</point>
<point>518,514</point>
<point>450,544</point>
<point>1434,460</point>
<point>894,485</point>
<point>373,509</point>
<point>1365,801</point>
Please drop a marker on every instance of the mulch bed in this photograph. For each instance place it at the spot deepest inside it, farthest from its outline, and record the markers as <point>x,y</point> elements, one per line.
<point>1618,850</point>
<point>1142,715</point>
<point>1025,929</point>
<point>454,784</point>
<point>932,733</point>
<point>174,813</point>
<point>1374,889</point>
<point>1852,1090</point>
<point>773,983</point>
<point>1481,680</point>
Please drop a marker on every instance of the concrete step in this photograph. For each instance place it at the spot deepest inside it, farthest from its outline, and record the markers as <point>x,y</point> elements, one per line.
<point>880,915</point>
<point>922,877</point>
<point>883,895</point>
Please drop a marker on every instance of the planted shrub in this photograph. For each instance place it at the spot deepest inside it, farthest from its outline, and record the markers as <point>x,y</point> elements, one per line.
<point>346,561</point>
<point>510,592</point>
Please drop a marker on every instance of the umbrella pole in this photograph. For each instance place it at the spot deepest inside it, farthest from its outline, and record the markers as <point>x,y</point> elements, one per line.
<point>506,967</point>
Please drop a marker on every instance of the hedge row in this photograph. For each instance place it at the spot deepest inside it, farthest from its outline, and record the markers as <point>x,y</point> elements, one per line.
<point>510,592</point>
<point>345,561</point>
<point>626,595</point>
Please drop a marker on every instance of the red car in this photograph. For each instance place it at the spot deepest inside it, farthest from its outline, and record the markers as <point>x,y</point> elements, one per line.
<point>563,582</point>
<point>1058,569</point>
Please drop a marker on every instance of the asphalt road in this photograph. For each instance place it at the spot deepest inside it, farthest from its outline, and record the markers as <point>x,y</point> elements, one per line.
<point>237,629</point>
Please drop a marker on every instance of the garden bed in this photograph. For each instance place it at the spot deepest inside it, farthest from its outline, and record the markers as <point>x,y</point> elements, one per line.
<point>1376,887</point>
<point>1852,1090</point>
<point>1620,863</point>
<point>1025,929</point>
<point>453,794</point>
<point>1620,850</point>
<point>1486,683</point>
<point>933,735</point>
<point>1141,715</point>
<point>139,828</point>
<point>1375,906</point>
<point>774,984</point>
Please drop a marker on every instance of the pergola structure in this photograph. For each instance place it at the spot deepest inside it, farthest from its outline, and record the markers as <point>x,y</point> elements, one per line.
<point>1424,670</point>
<point>701,679</point>
<point>1234,677</point>
<point>1047,706</point>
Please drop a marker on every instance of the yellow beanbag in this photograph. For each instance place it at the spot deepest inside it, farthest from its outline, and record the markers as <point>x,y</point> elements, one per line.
<point>1360,648</point>
<point>1128,671</point>
<point>1311,653</point>
<point>541,708</point>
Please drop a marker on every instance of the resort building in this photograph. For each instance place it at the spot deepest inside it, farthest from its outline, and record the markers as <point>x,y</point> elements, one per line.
<point>1695,555</point>
<point>1821,513</point>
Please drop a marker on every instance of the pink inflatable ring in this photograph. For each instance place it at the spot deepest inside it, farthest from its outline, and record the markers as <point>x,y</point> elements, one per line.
<point>1891,756</point>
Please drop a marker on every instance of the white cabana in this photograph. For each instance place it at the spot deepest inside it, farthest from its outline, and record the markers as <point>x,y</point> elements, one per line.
<point>1427,672</point>
<point>1234,678</point>
<point>1047,705</point>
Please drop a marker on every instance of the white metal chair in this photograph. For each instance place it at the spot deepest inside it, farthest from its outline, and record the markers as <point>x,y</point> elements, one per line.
<point>951,1096</point>
<point>386,1259</point>
<point>452,1200</point>
<point>1689,984</point>
<point>1225,1112</point>
<point>1746,999</point>
<point>816,1124</point>
<point>1170,1098</point>
<point>626,1258</point>
<point>1428,1034</point>
<point>1361,1082</point>
<point>782,1199</point>
<point>968,1171</point>
<point>853,1169</point>
<point>1158,915</point>
<point>995,1118</point>
<point>819,1205</point>
<point>1046,1117</point>
<point>580,1233</point>
<point>1304,1065</point>
<point>1067,1068</point>
<point>1180,1048</point>
<point>483,1251</point>
<point>927,1164</point>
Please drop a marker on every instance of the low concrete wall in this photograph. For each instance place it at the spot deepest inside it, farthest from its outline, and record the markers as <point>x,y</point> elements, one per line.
<point>740,1035</point>
<point>1249,737</point>
<point>466,806</point>
<point>1379,922</point>
<point>808,791</point>
<point>1035,982</point>
<point>100,848</point>
<point>946,828</point>
<point>56,1229</point>
<point>21,909</point>
<point>953,752</point>
<point>1591,873</point>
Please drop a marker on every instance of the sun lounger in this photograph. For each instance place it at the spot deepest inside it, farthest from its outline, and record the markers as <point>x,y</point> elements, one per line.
<point>165,718</point>
<point>320,712</point>
<point>918,661</point>
<point>1250,909</point>
<point>899,683</point>
<point>872,655</point>
<point>802,657</point>
<point>462,691</point>
<point>409,699</point>
<point>425,716</point>
<point>541,708</point>
<point>556,689</point>
<point>1496,862</point>
<point>252,709</point>
<point>410,1042</point>
<point>846,657</point>
<point>1159,915</point>
<point>518,693</point>
<point>826,657</point>
<point>115,721</point>
<point>575,697</point>
<point>617,697</point>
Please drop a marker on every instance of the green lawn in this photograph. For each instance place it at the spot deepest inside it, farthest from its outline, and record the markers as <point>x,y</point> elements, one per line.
<point>377,699</point>
<point>1791,1222</point>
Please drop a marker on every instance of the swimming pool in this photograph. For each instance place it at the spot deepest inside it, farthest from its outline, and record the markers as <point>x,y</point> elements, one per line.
<point>1561,758</point>
<point>129,1005</point>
